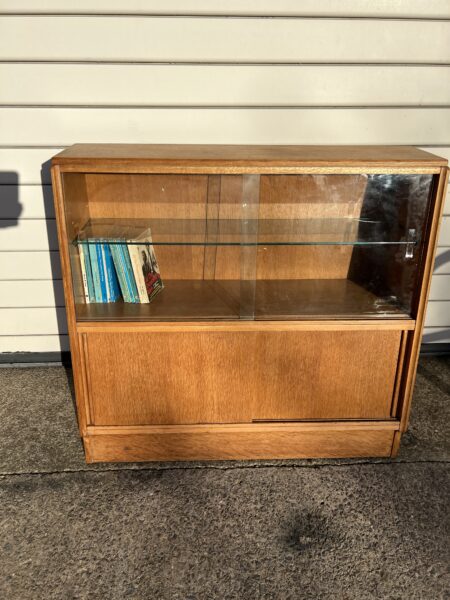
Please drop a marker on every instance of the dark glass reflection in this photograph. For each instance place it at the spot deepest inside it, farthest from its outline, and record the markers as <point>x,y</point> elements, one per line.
<point>397,204</point>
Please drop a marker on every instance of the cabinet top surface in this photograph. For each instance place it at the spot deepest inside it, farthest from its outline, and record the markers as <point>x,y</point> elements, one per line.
<point>246,156</point>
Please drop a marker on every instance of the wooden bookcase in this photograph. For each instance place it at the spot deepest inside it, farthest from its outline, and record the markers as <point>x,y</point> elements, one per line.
<point>296,281</point>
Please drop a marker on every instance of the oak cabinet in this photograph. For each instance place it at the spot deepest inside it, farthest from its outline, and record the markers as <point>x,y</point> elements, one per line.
<point>295,285</point>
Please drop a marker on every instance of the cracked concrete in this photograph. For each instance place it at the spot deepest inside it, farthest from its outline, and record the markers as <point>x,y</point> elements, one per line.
<point>246,530</point>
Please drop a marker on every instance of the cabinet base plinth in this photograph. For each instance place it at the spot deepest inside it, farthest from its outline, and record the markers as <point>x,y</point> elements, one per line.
<point>237,443</point>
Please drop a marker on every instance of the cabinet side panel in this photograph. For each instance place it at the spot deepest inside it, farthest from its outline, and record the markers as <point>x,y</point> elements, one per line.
<point>64,236</point>
<point>413,345</point>
<point>75,215</point>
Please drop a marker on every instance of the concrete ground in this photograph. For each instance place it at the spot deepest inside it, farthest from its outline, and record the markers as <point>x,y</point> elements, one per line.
<point>348,529</point>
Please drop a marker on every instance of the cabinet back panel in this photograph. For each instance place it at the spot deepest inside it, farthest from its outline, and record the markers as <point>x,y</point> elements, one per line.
<point>299,197</point>
<point>287,262</point>
<point>140,196</point>
<point>311,196</point>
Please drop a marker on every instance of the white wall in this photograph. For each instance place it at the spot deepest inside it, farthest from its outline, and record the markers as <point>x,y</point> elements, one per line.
<point>214,71</point>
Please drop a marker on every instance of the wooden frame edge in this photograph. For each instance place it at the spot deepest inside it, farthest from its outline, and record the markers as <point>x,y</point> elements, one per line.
<point>322,325</point>
<point>84,375</point>
<point>242,445</point>
<point>261,427</point>
<point>399,373</point>
<point>396,444</point>
<point>416,338</point>
<point>109,166</point>
<point>58,195</point>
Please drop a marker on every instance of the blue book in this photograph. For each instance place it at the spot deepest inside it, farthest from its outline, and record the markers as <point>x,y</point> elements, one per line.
<point>111,276</point>
<point>120,270</point>
<point>87,266</point>
<point>102,273</point>
<point>129,274</point>
<point>105,272</point>
<point>95,271</point>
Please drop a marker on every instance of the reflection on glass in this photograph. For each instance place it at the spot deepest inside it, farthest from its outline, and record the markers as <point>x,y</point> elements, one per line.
<point>259,247</point>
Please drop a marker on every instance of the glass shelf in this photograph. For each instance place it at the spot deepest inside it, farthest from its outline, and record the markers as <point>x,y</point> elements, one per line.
<point>241,232</point>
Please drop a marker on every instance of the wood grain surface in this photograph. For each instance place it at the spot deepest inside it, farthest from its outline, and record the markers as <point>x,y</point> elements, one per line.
<point>137,156</point>
<point>220,377</point>
<point>217,445</point>
<point>335,367</point>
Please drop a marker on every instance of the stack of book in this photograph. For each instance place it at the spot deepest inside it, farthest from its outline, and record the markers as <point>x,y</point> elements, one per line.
<point>113,269</point>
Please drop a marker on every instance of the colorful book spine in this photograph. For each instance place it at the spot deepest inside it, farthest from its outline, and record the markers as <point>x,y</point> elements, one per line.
<point>134,296</point>
<point>138,274</point>
<point>145,266</point>
<point>90,281</point>
<point>105,272</point>
<point>111,276</point>
<point>112,268</point>
<point>120,270</point>
<point>81,253</point>
<point>102,273</point>
<point>95,271</point>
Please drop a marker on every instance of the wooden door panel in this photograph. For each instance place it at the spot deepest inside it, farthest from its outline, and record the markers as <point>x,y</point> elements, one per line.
<point>186,377</point>
<point>326,375</point>
<point>170,377</point>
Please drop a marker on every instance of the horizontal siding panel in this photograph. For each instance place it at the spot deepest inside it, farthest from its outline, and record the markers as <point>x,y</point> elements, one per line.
<point>31,266</point>
<point>26,202</point>
<point>34,343</point>
<point>444,233</point>
<point>436,335</point>
<point>234,40</point>
<point>351,8</point>
<point>15,294</point>
<point>438,314</point>
<point>442,262</point>
<point>445,153</point>
<point>440,287</point>
<point>172,85</point>
<point>64,126</point>
<point>28,235</point>
<point>32,321</point>
<point>26,163</point>
<point>447,203</point>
